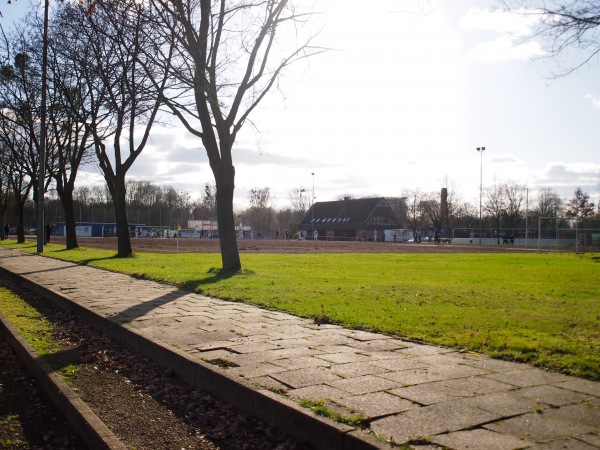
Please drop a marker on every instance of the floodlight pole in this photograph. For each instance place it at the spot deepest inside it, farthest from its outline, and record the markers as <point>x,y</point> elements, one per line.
<point>42,152</point>
<point>526,218</point>
<point>480,150</point>
<point>312,208</point>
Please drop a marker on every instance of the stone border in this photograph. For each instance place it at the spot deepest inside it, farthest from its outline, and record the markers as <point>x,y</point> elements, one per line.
<point>83,420</point>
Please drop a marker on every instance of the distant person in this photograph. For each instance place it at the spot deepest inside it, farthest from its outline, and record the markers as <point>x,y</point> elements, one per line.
<point>316,235</point>
<point>436,236</point>
<point>394,237</point>
<point>48,233</point>
<point>6,231</point>
<point>363,237</point>
<point>375,236</point>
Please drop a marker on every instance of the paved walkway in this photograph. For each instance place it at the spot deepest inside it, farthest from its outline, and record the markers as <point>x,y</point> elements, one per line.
<point>406,391</point>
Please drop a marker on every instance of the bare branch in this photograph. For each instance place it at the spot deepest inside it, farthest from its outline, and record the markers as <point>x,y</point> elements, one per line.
<point>565,26</point>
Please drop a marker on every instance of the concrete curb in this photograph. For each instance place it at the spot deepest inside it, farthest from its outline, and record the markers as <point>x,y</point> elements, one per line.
<point>300,423</point>
<point>85,423</point>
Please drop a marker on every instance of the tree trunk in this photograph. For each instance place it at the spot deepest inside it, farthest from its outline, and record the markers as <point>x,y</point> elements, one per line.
<point>66,198</point>
<point>124,249</point>
<point>230,255</point>
<point>498,232</point>
<point>70,228</point>
<point>20,221</point>
<point>3,209</point>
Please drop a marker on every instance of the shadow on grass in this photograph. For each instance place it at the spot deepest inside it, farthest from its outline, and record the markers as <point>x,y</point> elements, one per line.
<point>216,276</point>
<point>89,261</point>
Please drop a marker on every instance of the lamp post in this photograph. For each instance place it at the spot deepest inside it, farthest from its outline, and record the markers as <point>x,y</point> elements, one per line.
<point>302,193</point>
<point>42,151</point>
<point>312,207</point>
<point>480,150</point>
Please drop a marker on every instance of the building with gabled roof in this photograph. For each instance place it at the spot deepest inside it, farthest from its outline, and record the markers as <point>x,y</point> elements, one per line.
<point>353,219</point>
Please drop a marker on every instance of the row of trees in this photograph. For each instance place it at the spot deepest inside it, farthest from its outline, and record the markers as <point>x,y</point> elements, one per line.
<point>505,206</point>
<point>118,67</point>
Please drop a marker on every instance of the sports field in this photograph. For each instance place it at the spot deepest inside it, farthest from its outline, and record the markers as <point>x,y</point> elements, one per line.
<point>540,308</point>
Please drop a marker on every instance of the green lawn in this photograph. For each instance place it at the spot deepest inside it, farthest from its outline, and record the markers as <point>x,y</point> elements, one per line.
<point>541,308</point>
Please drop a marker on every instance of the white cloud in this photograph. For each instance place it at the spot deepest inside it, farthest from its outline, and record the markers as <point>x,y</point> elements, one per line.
<point>517,23</point>
<point>504,49</point>
<point>566,177</point>
<point>513,27</point>
<point>595,100</point>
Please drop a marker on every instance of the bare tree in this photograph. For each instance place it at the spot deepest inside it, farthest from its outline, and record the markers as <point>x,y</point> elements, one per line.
<point>126,92</point>
<point>19,115</point>
<point>495,205</point>
<point>454,206</point>
<point>70,106</point>
<point>260,212</point>
<point>19,181</point>
<point>515,196</point>
<point>285,218</point>
<point>228,60</point>
<point>5,182</point>
<point>431,210</point>
<point>174,201</point>
<point>143,193</point>
<point>299,199</point>
<point>549,204</point>
<point>209,199</point>
<point>564,25</point>
<point>414,212</point>
<point>205,208</point>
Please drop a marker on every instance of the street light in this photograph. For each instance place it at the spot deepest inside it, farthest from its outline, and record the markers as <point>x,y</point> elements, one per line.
<point>302,191</point>
<point>480,150</point>
<point>312,207</point>
<point>42,149</point>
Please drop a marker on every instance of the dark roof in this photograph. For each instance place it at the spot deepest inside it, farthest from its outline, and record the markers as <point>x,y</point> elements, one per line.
<point>343,212</point>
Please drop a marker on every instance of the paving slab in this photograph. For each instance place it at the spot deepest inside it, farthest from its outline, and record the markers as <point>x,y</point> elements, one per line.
<point>405,390</point>
<point>429,393</point>
<point>538,427</point>
<point>506,404</point>
<point>480,439</point>
<point>528,377</point>
<point>477,385</point>
<point>552,395</point>
<point>564,444</point>
<point>378,404</point>
<point>431,420</point>
<point>582,414</point>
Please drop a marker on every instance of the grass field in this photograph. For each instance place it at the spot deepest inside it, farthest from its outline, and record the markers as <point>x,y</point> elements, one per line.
<point>540,308</point>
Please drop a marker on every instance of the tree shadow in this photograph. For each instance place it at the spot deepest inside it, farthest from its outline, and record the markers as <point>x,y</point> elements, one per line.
<point>89,261</point>
<point>215,277</point>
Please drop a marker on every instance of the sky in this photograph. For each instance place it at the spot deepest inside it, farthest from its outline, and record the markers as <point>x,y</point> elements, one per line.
<point>409,91</point>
